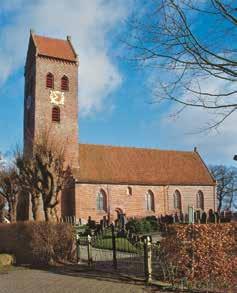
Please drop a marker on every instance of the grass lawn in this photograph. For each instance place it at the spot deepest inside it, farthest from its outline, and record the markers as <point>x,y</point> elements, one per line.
<point>122,244</point>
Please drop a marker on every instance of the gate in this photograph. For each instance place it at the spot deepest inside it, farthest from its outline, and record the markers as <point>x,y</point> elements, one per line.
<point>113,249</point>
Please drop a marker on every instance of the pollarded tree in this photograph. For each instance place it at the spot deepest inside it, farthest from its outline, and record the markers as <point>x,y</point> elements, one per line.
<point>28,177</point>
<point>44,175</point>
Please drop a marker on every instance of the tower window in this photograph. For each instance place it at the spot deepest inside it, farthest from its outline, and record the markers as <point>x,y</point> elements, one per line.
<point>64,83</point>
<point>50,81</point>
<point>56,114</point>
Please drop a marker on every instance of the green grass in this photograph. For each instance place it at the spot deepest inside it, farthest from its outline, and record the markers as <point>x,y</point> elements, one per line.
<point>122,244</point>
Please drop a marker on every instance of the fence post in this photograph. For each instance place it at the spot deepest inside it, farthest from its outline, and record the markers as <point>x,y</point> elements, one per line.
<point>114,247</point>
<point>147,260</point>
<point>89,251</point>
<point>78,247</point>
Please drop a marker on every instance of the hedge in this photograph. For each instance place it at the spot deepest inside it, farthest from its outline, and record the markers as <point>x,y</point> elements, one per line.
<point>37,242</point>
<point>203,255</point>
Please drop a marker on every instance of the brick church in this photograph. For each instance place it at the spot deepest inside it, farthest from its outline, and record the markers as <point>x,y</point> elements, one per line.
<point>108,180</point>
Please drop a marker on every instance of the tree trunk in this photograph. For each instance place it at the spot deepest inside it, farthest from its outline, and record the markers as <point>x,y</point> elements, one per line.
<point>47,214</point>
<point>12,211</point>
<point>219,204</point>
<point>36,208</point>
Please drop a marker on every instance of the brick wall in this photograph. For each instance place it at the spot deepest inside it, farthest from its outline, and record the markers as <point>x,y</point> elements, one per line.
<point>135,205</point>
<point>65,132</point>
<point>40,112</point>
<point>188,197</point>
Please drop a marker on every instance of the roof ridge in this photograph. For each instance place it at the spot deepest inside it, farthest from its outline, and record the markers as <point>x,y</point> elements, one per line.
<point>56,39</point>
<point>135,147</point>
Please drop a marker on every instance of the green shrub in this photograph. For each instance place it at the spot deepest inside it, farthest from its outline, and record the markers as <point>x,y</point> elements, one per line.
<point>139,226</point>
<point>145,226</point>
<point>133,226</point>
<point>153,221</point>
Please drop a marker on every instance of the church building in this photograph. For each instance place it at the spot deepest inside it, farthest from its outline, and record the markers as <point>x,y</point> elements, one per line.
<point>108,180</point>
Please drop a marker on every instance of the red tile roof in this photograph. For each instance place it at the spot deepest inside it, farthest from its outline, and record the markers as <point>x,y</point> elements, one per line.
<point>125,165</point>
<point>54,48</point>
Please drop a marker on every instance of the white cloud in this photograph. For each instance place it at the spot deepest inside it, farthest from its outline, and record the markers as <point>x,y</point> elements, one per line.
<point>88,22</point>
<point>96,86</point>
<point>186,131</point>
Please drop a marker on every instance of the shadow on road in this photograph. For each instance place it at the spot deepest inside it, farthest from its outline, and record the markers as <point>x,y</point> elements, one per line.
<point>82,270</point>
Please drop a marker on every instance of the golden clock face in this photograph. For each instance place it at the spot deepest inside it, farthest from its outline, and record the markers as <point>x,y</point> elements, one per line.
<point>57,97</point>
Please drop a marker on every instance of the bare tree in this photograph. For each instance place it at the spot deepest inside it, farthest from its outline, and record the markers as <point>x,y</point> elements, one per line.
<point>9,189</point>
<point>2,205</point>
<point>226,185</point>
<point>28,177</point>
<point>1,161</point>
<point>189,44</point>
<point>44,175</point>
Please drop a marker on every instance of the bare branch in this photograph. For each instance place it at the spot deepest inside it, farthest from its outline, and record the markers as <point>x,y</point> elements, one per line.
<point>167,37</point>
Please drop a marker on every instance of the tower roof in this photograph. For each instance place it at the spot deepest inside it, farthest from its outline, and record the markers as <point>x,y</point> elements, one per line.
<point>129,165</point>
<point>55,48</point>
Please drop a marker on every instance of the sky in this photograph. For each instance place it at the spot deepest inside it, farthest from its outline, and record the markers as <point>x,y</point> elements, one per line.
<point>114,95</point>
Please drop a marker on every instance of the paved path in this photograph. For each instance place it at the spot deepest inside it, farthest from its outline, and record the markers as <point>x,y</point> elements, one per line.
<point>63,280</point>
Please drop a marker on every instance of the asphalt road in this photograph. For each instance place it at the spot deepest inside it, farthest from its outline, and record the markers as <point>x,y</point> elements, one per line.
<point>62,280</point>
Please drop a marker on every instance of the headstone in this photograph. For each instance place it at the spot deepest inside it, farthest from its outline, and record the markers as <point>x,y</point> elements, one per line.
<point>190,215</point>
<point>204,218</point>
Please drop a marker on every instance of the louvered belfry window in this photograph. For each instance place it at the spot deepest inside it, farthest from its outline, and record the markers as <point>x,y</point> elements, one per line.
<point>56,114</point>
<point>50,81</point>
<point>64,83</point>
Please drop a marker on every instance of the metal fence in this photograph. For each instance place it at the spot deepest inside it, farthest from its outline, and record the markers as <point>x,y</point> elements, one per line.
<point>112,249</point>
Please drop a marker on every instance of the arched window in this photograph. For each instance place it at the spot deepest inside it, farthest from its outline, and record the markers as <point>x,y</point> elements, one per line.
<point>150,203</point>
<point>56,114</point>
<point>64,83</point>
<point>129,190</point>
<point>101,202</point>
<point>177,201</point>
<point>50,80</point>
<point>200,200</point>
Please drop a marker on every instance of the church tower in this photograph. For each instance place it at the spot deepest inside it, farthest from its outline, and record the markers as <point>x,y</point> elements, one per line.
<point>51,94</point>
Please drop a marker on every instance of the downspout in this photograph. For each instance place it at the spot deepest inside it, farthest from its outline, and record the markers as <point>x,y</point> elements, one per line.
<point>166,201</point>
<point>214,197</point>
<point>108,212</point>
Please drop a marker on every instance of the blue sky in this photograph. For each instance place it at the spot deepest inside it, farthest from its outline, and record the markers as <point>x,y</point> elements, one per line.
<point>114,95</point>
